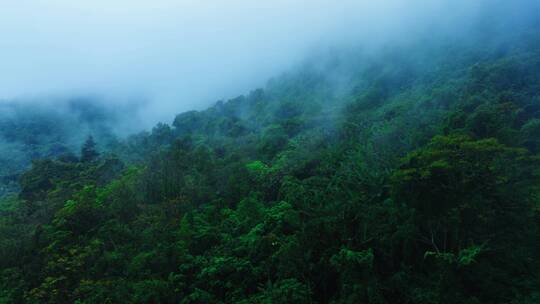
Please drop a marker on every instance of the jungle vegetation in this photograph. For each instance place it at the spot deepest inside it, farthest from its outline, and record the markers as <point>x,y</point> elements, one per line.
<point>406,176</point>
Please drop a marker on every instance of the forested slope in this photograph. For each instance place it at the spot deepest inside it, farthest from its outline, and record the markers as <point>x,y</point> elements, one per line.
<point>409,175</point>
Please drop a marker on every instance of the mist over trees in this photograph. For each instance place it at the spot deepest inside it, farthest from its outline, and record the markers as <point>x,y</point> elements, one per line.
<point>403,172</point>
<point>30,130</point>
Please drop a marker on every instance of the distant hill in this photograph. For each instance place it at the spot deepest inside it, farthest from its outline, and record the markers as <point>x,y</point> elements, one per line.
<point>31,130</point>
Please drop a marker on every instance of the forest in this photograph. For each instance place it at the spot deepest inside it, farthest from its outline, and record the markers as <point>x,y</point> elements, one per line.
<point>411,175</point>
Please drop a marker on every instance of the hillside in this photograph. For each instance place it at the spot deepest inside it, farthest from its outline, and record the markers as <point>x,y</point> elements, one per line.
<point>409,175</point>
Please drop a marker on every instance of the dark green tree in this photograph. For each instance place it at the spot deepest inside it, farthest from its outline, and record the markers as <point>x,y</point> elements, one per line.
<point>88,150</point>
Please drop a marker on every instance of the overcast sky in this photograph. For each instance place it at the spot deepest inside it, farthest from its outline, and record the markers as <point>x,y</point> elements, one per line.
<point>185,54</point>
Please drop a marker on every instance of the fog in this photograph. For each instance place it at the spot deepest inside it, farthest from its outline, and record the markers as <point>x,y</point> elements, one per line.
<point>170,56</point>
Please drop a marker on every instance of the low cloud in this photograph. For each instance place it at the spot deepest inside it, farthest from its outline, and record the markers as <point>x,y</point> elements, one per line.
<point>174,56</point>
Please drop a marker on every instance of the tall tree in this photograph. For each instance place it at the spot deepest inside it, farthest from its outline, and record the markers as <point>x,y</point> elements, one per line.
<point>88,150</point>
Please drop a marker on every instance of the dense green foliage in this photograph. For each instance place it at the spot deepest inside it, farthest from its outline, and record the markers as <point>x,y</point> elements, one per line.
<point>392,179</point>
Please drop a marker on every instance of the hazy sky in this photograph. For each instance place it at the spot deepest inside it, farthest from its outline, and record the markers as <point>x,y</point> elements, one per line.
<point>186,54</point>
